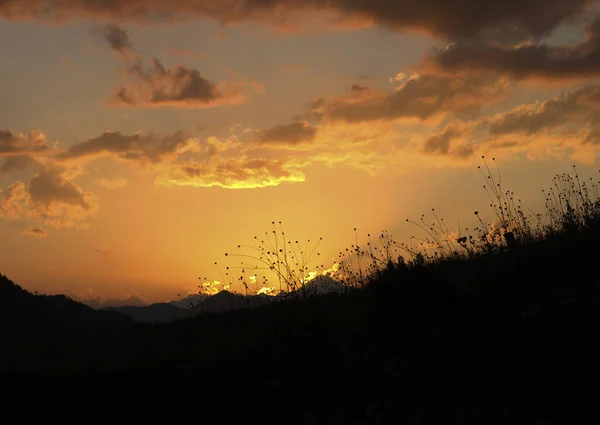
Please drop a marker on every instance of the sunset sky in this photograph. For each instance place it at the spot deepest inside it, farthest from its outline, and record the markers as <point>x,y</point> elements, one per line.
<point>140,140</point>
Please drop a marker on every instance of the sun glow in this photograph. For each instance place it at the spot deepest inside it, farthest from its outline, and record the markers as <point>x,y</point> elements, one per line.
<point>328,272</point>
<point>265,290</point>
<point>213,288</point>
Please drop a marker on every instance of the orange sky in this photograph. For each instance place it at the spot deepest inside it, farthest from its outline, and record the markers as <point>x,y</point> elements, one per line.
<point>138,145</point>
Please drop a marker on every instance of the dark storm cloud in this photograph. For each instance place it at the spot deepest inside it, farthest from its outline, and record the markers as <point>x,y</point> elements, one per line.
<point>526,60</point>
<point>445,17</point>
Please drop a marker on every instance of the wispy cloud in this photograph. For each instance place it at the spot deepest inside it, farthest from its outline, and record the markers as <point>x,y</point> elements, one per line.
<point>36,232</point>
<point>155,85</point>
<point>140,148</point>
<point>287,135</point>
<point>417,97</point>
<point>119,41</point>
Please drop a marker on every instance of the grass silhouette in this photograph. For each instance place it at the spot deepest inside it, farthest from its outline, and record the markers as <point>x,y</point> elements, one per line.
<point>492,325</point>
<point>288,259</point>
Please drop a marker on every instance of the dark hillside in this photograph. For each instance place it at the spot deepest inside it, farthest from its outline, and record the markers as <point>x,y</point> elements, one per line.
<point>26,317</point>
<point>505,338</point>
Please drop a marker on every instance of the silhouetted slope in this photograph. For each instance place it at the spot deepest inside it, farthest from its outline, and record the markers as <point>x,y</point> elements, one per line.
<point>507,338</point>
<point>154,313</point>
<point>218,303</point>
<point>25,317</point>
<point>167,312</point>
<point>226,301</point>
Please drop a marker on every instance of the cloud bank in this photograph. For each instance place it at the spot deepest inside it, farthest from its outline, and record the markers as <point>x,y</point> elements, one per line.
<point>449,18</point>
<point>524,60</point>
<point>418,97</point>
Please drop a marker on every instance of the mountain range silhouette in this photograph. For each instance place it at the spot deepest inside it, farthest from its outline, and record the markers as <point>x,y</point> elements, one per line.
<point>196,304</point>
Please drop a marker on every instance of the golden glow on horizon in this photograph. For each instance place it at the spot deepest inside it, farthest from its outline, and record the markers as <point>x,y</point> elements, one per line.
<point>213,288</point>
<point>328,272</point>
<point>257,180</point>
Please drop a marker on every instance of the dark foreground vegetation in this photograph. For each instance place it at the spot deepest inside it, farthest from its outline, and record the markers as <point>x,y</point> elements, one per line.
<point>498,328</point>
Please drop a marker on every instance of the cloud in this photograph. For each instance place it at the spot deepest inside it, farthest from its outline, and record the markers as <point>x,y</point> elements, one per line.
<point>236,163</point>
<point>213,288</point>
<point>577,107</point>
<point>365,146</point>
<point>13,201</point>
<point>22,145</point>
<point>266,290</point>
<point>419,97</point>
<point>288,135</point>
<point>359,89</point>
<point>117,183</point>
<point>158,86</point>
<point>143,149</point>
<point>440,143</point>
<point>19,151</point>
<point>178,160</point>
<point>35,232</point>
<point>231,173</point>
<point>48,186</point>
<point>118,40</point>
<point>12,163</point>
<point>524,60</point>
<point>50,199</point>
<point>567,125</point>
<point>443,17</point>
